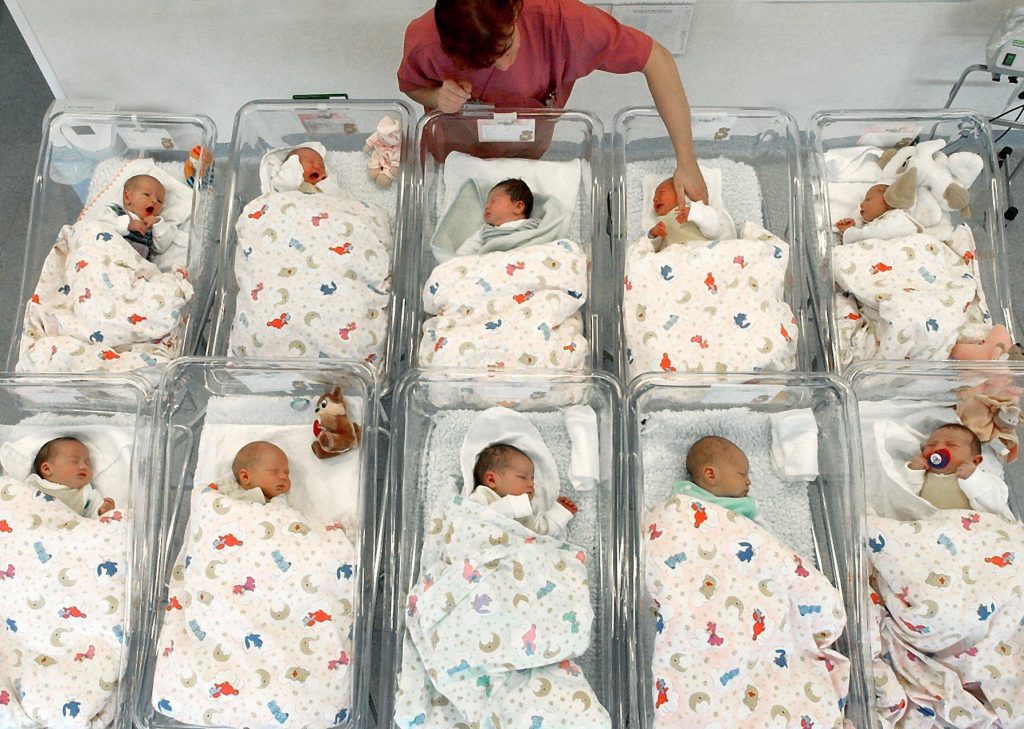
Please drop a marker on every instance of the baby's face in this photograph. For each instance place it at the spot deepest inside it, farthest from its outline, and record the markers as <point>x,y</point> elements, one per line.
<point>145,199</point>
<point>874,204</point>
<point>954,440</point>
<point>516,478</point>
<point>732,475</point>
<point>269,473</point>
<point>665,200</point>
<point>313,169</point>
<point>499,208</point>
<point>69,465</point>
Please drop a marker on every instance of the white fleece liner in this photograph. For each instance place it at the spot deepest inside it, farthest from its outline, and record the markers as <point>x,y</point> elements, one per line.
<point>440,478</point>
<point>783,507</point>
<point>741,191</point>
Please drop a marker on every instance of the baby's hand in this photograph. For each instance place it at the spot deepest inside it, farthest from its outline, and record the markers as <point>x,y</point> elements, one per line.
<point>138,226</point>
<point>842,225</point>
<point>568,504</point>
<point>965,470</point>
<point>107,505</point>
<point>150,220</point>
<point>919,463</point>
<point>658,231</point>
<point>683,215</point>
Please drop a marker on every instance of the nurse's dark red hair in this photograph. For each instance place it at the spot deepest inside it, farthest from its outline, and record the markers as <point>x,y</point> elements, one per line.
<point>476,33</point>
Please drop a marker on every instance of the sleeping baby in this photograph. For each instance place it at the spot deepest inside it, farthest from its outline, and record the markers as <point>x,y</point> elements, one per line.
<point>508,208</point>
<point>721,475</point>
<point>63,470</point>
<point>261,474</point>
<point>692,221</point>
<point>945,473</point>
<point>504,478</point>
<point>883,215</point>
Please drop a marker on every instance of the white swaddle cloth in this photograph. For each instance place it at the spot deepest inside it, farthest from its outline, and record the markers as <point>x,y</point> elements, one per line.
<point>501,425</point>
<point>278,173</point>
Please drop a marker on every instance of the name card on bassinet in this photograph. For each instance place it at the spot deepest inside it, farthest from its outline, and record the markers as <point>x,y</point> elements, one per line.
<point>147,138</point>
<point>738,395</point>
<point>506,128</point>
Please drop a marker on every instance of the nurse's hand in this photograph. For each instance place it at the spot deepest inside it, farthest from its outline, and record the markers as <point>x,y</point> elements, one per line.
<point>689,181</point>
<point>453,95</point>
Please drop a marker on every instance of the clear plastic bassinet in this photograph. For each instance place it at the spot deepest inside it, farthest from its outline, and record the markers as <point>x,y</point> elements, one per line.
<point>820,519</point>
<point>343,127</point>
<point>568,147</point>
<point>432,412</point>
<point>113,417</point>
<point>900,399</point>
<point>206,409</point>
<point>963,131</point>
<point>757,152</point>
<point>84,153</point>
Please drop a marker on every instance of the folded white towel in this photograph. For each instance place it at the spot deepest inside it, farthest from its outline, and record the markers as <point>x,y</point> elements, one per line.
<point>795,444</point>
<point>853,164</point>
<point>585,463</point>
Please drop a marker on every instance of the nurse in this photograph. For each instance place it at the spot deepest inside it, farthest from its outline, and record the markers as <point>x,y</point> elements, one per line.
<point>529,53</point>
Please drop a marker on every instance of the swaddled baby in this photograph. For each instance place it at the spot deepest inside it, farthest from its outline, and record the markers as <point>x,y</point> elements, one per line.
<point>261,474</point>
<point>304,170</point>
<point>721,475</point>
<point>680,224</point>
<point>504,477</point>
<point>508,208</point>
<point>945,473</point>
<point>63,470</point>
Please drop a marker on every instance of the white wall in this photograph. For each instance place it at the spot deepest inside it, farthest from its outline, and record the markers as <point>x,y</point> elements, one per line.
<point>211,56</point>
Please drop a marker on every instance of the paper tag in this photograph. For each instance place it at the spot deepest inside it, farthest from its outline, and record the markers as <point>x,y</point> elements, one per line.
<point>888,136</point>
<point>326,123</point>
<point>271,382</point>
<point>735,395</point>
<point>506,128</point>
<point>147,138</point>
<point>717,128</point>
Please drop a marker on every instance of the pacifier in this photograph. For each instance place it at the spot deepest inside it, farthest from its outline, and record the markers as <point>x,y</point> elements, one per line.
<point>939,458</point>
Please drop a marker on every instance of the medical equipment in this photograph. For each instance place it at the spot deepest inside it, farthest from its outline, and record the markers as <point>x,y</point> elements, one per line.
<point>1004,56</point>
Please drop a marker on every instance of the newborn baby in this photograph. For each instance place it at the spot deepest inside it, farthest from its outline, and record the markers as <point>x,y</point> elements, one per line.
<point>508,208</point>
<point>945,473</point>
<point>721,475</point>
<point>261,474</point>
<point>504,478</point>
<point>883,216</point>
<point>307,173</point>
<point>137,218</point>
<point>693,221</point>
<point>63,470</point>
